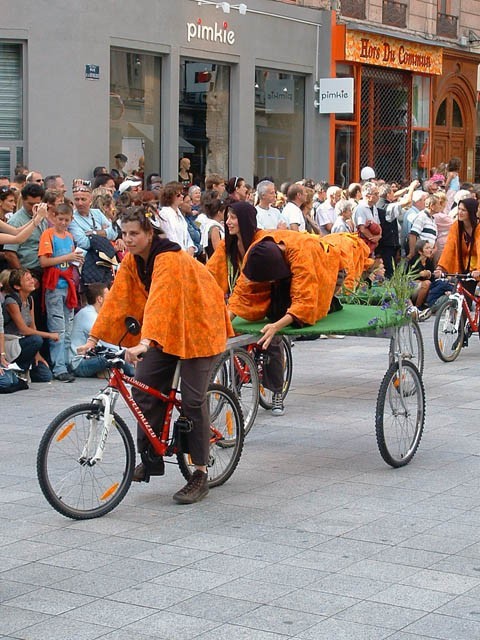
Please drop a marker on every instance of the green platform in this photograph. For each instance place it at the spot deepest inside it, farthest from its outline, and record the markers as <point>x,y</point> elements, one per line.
<point>352,319</point>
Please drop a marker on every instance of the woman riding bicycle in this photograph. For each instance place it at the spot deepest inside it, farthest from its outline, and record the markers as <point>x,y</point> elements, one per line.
<point>461,253</point>
<point>226,265</point>
<point>183,316</point>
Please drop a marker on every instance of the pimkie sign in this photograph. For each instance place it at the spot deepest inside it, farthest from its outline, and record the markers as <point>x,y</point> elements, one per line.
<point>371,48</point>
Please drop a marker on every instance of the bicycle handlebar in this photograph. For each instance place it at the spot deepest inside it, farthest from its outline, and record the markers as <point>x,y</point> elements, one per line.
<point>113,356</point>
<point>459,276</point>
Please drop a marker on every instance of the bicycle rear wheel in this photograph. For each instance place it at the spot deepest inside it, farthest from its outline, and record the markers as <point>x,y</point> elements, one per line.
<point>238,372</point>
<point>227,436</point>
<point>266,394</point>
<point>73,483</point>
<point>400,413</point>
<point>409,343</point>
<point>447,339</point>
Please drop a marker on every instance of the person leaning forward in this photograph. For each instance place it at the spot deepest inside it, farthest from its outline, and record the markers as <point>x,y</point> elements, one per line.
<point>288,277</point>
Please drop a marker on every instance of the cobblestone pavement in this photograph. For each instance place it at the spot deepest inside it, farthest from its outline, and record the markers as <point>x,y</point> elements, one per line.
<point>314,536</point>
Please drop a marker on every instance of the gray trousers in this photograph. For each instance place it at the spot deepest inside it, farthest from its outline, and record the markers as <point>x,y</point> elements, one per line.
<point>273,367</point>
<point>156,369</point>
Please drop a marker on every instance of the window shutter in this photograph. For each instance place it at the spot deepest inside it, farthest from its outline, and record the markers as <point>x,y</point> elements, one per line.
<point>11,94</point>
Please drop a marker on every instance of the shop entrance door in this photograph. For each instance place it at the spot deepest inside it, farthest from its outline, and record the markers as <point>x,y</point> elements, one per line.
<point>386,122</point>
<point>449,132</point>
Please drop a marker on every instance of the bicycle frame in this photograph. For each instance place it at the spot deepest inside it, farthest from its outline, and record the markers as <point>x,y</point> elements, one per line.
<point>162,444</point>
<point>117,386</point>
<point>461,297</point>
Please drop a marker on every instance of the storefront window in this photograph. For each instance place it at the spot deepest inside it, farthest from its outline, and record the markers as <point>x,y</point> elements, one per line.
<point>204,117</point>
<point>135,110</point>
<point>279,125</point>
<point>344,155</point>
<point>345,71</point>
<point>11,106</point>
<point>421,102</point>
<point>420,123</point>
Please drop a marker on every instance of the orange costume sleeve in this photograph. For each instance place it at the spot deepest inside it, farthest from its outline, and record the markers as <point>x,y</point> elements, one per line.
<point>314,266</point>
<point>217,265</point>
<point>184,311</point>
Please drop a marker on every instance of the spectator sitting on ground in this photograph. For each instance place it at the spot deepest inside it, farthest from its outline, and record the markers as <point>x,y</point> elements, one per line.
<point>82,324</point>
<point>9,382</point>
<point>423,267</point>
<point>19,320</point>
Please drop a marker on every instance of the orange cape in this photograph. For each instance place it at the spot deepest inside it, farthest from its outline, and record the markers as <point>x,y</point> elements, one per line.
<point>184,311</point>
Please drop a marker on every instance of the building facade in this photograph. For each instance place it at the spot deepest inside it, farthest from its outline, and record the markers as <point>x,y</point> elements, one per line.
<point>415,67</point>
<point>232,91</point>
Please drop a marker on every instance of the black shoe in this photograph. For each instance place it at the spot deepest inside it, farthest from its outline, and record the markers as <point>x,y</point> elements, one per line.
<point>65,377</point>
<point>140,473</point>
<point>195,490</point>
<point>143,471</point>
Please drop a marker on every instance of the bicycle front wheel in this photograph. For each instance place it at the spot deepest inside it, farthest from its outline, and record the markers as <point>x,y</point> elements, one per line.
<point>75,484</point>
<point>266,394</point>
<point>400,414</point>
<point>226,437</point>
<point>448,340</point>
<point>238,372</point>
<point>408,342</point>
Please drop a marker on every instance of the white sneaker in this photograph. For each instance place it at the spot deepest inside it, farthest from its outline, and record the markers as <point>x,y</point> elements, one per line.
<point>424,315</point>
<point>413,311</point>
<point>277,405</point>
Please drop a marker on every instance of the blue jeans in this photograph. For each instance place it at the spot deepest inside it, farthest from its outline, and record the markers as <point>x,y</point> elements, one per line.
<point>30,346</point>
<point>7,379</point>
<point>89,367</point>
<point>59,320</point>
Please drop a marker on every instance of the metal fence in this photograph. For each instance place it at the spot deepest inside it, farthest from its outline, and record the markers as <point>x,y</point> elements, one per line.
<point>386,122</point>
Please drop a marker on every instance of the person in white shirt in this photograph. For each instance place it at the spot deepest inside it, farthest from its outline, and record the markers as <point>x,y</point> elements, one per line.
<point>172,221</point>
<point>267,216</point>
<point>326,215</point>
<point>292,213</point>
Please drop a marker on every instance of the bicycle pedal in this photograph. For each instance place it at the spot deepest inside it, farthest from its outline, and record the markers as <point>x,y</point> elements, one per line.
<point>183,424</point>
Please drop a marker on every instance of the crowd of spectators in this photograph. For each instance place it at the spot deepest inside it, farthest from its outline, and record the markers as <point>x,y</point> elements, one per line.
<point>59,248</point>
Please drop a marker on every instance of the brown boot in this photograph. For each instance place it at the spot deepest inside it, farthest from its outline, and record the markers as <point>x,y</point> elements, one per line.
<point>195,490</point>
